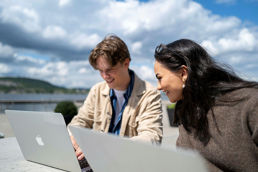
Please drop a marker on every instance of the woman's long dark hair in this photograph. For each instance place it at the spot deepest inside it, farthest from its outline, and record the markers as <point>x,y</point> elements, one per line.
<point>206,81</point>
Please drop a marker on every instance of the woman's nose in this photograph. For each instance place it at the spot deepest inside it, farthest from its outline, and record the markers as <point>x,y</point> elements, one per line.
<point>158,86</point>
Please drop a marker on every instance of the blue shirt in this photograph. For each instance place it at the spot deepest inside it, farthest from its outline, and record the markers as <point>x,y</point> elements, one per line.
<point>116,125</point>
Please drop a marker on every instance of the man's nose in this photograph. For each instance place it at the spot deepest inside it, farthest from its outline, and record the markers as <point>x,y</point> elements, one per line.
<point>105,75</point>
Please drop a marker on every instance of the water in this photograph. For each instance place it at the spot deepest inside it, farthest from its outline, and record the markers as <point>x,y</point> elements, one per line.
<point>42,97</point>
<point>40,102</point>
<point>36,102</point>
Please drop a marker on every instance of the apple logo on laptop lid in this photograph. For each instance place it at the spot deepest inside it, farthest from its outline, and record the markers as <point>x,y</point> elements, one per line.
<point>39,140</point>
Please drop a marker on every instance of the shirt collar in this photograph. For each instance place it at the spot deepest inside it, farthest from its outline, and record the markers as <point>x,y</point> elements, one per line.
<point>129,88</point>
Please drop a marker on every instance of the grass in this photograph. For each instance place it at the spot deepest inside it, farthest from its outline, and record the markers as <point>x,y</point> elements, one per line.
<point>171,106</point>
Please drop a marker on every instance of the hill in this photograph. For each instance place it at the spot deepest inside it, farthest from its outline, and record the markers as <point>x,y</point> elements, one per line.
<point>28,85</point>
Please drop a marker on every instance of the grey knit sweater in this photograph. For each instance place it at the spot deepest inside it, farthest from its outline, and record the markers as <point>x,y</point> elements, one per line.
<point>234,142</point>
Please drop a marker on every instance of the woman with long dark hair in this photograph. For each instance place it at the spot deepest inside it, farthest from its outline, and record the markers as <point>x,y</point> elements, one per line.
<point>216,110</point>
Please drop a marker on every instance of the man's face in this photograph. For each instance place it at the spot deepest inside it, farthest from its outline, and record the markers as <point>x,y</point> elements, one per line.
<point>113,75</point>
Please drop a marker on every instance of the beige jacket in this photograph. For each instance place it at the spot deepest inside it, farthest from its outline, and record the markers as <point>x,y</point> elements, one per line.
<point>142,117</point>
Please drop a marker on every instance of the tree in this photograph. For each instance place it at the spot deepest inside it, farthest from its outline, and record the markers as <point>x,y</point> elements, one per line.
<point>67,109</point>
<point>171,114</point>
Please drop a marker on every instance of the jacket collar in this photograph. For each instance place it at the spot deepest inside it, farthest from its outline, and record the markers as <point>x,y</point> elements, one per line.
<point>139,89</point>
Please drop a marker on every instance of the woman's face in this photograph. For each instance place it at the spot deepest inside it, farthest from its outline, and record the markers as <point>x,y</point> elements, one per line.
<point>170,82</point>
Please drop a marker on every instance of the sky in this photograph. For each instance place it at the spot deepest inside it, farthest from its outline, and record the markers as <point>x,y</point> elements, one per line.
<point>51,39</point>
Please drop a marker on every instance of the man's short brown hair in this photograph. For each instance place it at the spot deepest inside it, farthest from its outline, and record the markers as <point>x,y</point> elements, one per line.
<point>112,48</point>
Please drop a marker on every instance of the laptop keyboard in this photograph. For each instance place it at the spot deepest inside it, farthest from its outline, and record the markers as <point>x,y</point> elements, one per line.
<point>85,165</point>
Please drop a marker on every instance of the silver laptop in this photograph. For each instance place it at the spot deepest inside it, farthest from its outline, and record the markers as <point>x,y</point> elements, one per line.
<point>106,153</point>
<point>43,138</point>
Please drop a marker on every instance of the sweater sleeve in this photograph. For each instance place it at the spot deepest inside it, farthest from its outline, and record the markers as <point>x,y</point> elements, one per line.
<point>253,121</point>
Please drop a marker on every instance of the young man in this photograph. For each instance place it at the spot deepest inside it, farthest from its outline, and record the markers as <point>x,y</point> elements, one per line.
<point>123,104</point>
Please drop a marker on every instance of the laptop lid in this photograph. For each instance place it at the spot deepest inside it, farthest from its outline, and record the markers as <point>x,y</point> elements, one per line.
<point>106,152</point>
<point>43,138</point>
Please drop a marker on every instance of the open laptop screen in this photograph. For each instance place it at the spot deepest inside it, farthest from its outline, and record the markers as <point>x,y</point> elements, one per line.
<point>43,138</point>
<point>107,152</point>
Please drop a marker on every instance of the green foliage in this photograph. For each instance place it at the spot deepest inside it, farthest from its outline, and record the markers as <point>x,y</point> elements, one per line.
<point>67,109</point>
<point>171,106</point>
<point>171,114</point>
<point>28,85</point>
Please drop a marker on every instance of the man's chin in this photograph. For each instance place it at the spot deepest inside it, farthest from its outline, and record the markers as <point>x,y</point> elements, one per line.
<point>110,84</point>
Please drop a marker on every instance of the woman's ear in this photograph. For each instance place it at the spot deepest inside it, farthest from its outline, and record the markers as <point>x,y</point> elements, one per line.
<point>184,73</point>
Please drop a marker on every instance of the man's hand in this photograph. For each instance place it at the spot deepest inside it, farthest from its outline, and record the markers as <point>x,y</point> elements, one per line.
<point>78,150</point>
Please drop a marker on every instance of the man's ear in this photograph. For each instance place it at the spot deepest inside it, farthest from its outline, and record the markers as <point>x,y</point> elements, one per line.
<point>184,73</point>
<point>127,62</point>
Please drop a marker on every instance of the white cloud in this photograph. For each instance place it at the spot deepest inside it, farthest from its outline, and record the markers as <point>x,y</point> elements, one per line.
<point>21,59</point>
<point>4,68</point>
<point>133,16</point>
<point>54,32</point>
<point>144,71</point>
<point>63,2</point>
<point>65,32</point>
<point>25,17</point>
<point>62,69</point>
<point>210,47</point>
<point>235,59</point>
<point>50,69</point>
<point>136,47</point>
<point>147,72</point>
<point>242,41</point>
<point>81,40</point>
<point>252,66</point>
<point>5,50</point>
<point>69,74</point>
<point>82,71</point>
